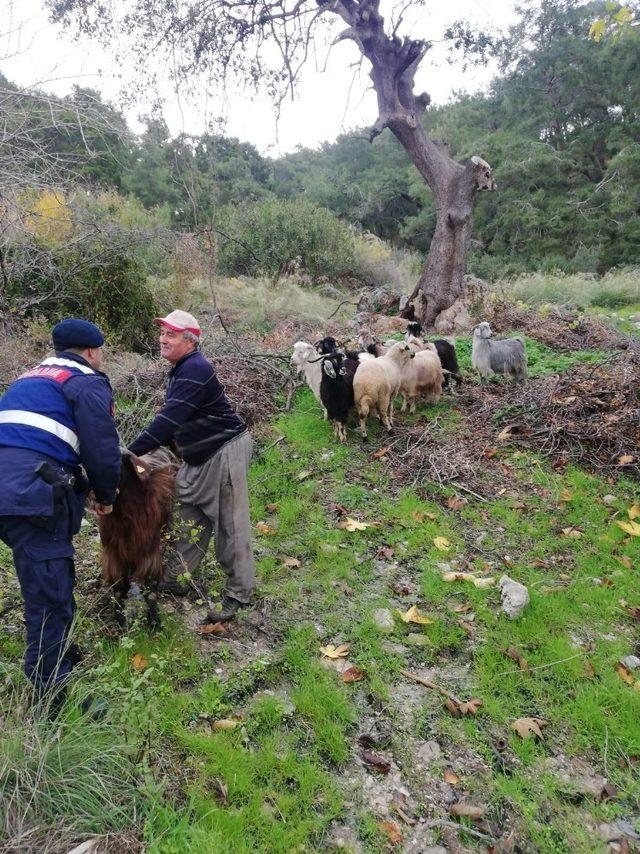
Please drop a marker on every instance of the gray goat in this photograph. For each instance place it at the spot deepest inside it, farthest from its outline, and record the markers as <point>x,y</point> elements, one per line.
<point>500,356</point>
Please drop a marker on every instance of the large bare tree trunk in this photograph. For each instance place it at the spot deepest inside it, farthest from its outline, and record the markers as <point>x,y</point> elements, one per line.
<point>394,62</point>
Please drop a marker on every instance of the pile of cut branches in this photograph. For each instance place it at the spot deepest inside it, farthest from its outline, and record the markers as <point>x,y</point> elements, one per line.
<point>560,328</point>
<point>590,414</point>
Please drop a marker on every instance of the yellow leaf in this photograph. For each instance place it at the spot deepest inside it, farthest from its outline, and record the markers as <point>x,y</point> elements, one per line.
<point>224,724</point>
<point>597,30</point>
<point>457,576</point>
<point>634,511</point>
<point>266,530</point>
<point>331,651</point>
<point>350,524</point>
<point>291,561</point>
<point>484,582</point>
<point>625,673</point>
<point>632,528</point>
<point>625,460</point>
<point>565,495</point>
<point>526,726</point>
<point>441,543</point>
<point>450,777</point>
<point>413,615</point>
<point>139,662</point>
<point>505,434</point>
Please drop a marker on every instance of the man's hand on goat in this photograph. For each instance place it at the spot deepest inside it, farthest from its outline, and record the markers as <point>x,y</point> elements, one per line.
<point>102,509</point>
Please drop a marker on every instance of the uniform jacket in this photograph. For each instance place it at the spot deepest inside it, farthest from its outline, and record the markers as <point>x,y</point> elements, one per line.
<point>60,412</point>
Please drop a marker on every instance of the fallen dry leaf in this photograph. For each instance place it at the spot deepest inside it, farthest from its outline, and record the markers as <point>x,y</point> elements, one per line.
<point>504,434</point>
<point>625,460</point>
<point>292,562</point>
<point>589,669</point>
<point>489,453</point>
<point>441,543</point>
<point>391,831</point>
<point>139,662</point>
<point>304,474</point>
<point>375,762</point>
<point>526,726</point>
<point>331,651</point>
<point>471,707</point>
<point>413,615</point>
<point>565,495</point>
<point>213,629</point>
<point>224,723</point>
<point>572,532</point>
<point>456,502</point>
<point>462,608</point>
<point>350,524</point>
<point>624,672</point>
<point>626,561</point>
<point>380,453</point>
<point>634,613</point>
<point>461,810</point>
<point>353,674</point>
<point>515,655</point>
<point>634,511</point>
<point>632,528</point>
<point>385,553</point>
<point>466,627</point>
<point>266,530</point>
<point>221,790</point>
<point>451,778</point>
<point>271,508</point>
<point>457,576</point>
<point>484,582</point>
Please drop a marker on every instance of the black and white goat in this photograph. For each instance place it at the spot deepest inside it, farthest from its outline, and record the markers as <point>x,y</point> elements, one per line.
<point>445,350</point>
<point>336,391</point>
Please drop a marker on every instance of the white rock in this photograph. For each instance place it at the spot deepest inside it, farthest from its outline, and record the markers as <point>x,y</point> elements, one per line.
<point>515,597</point>
<point>383,618</point>
<point>609,500</point>
<point>631,662</point>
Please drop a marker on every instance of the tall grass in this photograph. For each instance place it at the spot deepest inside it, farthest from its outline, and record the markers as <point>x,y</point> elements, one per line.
<point>619,287</point>
<point>61,780</point>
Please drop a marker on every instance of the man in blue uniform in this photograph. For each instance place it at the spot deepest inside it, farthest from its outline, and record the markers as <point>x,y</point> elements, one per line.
<point>54,419</point>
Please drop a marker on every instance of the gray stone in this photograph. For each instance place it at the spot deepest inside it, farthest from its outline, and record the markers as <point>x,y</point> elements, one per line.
<point>577,774</point>
<point>383,618</point>
<point>428,752</point>
<point>631,662</point>
<point>415,639</point>
<point>515,597</point>
<point>609,500</point>
<point>343,838</point>
<point>394,648</point>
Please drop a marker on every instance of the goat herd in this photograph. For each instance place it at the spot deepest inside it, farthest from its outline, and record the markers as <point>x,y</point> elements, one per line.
<point>369,378</point>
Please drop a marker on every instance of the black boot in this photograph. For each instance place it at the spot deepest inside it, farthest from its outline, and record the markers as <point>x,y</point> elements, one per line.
<point>225,610</point>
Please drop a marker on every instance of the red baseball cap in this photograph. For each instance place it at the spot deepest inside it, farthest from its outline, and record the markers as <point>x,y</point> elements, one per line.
<point>179,321</point>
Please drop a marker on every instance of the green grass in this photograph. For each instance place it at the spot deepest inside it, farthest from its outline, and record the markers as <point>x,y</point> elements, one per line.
<point>286,771</point>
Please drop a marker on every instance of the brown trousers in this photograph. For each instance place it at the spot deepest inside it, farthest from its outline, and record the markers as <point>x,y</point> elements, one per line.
<point>213,498</point>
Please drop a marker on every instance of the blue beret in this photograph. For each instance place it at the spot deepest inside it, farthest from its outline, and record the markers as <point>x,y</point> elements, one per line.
<point>72,332</point>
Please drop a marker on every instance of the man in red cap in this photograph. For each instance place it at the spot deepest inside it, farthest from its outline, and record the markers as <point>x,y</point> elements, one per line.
<point>198,422</point>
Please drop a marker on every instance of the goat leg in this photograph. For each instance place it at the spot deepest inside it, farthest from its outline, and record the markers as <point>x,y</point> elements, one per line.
<point>153,614</point>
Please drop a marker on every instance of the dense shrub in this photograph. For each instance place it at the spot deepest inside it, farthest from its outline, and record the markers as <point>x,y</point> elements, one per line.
<point>277,235</point>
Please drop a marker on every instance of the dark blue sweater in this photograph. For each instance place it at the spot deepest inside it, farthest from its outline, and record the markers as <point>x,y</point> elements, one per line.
<point>196,417</point>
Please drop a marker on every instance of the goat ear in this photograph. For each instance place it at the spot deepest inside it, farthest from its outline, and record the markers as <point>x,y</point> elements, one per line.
<point>328,368</point>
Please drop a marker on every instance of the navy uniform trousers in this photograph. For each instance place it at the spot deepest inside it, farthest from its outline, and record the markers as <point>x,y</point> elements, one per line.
<point>44,563</point>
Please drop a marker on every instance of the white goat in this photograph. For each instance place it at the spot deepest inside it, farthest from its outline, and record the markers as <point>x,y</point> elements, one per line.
<point>501,356</point>
<point>305,360</point>
<point>421,376</point>
<point>377,382</point>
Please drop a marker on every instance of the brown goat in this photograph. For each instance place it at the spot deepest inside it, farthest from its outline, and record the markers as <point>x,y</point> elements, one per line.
<point>134,535</point>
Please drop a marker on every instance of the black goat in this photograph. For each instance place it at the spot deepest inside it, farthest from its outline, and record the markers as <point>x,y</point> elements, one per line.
<point>336,390</point>
<point>446,353</point>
